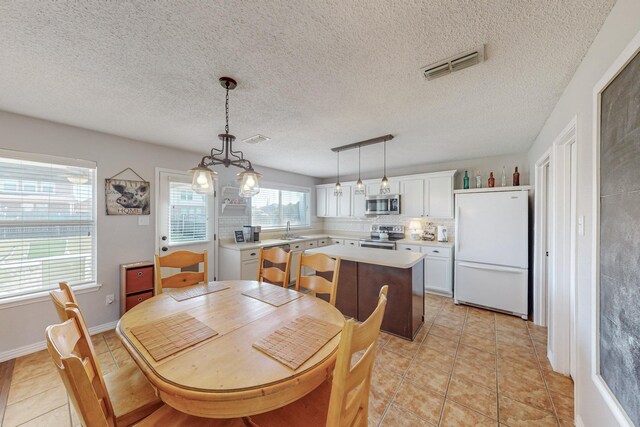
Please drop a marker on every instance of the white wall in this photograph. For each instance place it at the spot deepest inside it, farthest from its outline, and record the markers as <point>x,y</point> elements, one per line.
<point>619,28</point>
<point>120,239</point>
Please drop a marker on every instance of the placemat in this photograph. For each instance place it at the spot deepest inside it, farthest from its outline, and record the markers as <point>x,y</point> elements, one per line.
<point>294,344</point>
<point>273,294</point>
<point>197,290</point>
<point>171,334</point>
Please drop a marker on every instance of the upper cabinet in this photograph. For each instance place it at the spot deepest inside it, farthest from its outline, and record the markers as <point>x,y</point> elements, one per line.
<point>423,195</point>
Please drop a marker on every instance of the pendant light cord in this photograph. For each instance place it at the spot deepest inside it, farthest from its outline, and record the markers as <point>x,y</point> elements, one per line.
<point>358,163</point>
<point>384,147</point>
<point>226,109</point>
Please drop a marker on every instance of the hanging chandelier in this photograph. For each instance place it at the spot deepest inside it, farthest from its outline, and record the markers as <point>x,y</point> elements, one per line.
<point>203,175</point>
<point>360,190</point>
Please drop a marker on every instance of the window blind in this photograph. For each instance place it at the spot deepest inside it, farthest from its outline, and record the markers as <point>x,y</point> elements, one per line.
<point>47,223</point>
<point>188,214</point>
<point>272,208</point>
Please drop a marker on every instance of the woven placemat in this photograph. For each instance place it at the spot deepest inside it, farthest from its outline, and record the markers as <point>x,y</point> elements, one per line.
<point>295,343</point>
<point>273,294</point>
<point>171,334</point>
<point>197,290</point>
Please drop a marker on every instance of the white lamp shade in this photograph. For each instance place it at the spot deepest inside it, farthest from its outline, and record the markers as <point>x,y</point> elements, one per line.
<point>415,225</point>
<point>249,183</point>
<point>202,181</point>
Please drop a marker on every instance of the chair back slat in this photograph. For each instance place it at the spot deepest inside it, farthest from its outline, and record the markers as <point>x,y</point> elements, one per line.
<point>73,354</point>
<point>61,298</point>
<point>349,402</point>
<point>180,259</point>
<point>320,263</point>
<point>274,274</point>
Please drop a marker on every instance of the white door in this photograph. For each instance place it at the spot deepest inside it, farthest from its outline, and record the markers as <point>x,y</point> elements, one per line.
<point>492,228</point>
<point>413,197</point>
<point>344,201</point>
<point>321,202</point>
<point>439,202</point>
<point>185,219</point>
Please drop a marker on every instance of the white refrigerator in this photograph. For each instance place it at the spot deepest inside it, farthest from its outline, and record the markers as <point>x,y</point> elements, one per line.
<point>492,244</point>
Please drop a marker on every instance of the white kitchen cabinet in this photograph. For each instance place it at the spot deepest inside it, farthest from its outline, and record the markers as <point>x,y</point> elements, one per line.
<point>413,197</point>
<point>359,203</point>
<point>344,201</point>
<point>405,247</point>
<point>332,203</point>
<point>336,241</point>
<point>351,242</point>
<point>249,270</point>
<point>373,188</point>
<point>324,242</point>
<point>439,197</point>
<point>321,201</point>
<point>438,269</point>
<point>297,249</point>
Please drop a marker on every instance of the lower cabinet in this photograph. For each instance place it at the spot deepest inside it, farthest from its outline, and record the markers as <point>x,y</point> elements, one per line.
<point>438,267</point>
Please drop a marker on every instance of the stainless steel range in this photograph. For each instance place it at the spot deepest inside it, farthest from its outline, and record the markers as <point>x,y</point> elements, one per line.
<point>383,236</point>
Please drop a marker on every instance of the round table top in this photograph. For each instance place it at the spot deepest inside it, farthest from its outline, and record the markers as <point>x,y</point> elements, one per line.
<point>213,376</point>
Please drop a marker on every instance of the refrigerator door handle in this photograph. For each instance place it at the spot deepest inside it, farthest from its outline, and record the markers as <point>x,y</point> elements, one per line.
<point>457,240</point>
<point>492,267</point>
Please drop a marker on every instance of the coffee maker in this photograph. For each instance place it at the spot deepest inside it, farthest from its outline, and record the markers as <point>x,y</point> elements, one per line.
<point>251,233</point>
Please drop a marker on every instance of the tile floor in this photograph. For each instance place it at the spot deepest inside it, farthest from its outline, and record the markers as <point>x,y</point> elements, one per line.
<point>468,367</point>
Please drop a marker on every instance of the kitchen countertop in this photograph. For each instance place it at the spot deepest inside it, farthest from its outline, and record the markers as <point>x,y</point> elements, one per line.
<point>396,259</point>
<point>275,242</point>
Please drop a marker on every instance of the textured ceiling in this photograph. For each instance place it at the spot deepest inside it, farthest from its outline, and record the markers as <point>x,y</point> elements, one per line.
<point>312,74</point>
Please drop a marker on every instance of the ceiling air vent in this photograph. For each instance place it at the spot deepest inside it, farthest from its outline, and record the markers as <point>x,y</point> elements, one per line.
<point>256,139</point>
<point>455,63</point>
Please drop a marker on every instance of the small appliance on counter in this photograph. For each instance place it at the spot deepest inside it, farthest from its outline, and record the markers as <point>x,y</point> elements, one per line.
<point>443,234</point>
<point>251,233</point>
<point>429,233</point>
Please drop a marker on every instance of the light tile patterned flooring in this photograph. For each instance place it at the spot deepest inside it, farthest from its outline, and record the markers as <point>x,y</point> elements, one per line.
<point>468,367</point>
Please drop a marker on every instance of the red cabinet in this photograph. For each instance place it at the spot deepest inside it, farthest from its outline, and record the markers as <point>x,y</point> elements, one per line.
<point>136,284</point>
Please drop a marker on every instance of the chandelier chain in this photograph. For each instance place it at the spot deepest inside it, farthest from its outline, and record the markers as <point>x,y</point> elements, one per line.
<point>226,110</point>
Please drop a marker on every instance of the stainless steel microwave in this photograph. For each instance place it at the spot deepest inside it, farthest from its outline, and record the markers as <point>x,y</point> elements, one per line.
<point>383,204</point>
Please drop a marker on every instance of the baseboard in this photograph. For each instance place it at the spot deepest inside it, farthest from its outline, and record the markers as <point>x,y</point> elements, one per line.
<point>32,348</point>
<point>579,422</point>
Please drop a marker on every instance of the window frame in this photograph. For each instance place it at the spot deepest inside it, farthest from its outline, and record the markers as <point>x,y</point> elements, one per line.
<point>286,187</point>
<point>93,285</point>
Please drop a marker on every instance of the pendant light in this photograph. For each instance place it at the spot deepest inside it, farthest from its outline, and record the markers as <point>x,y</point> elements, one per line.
<point>202,181</point>
<point>359,184</point>
<point>338,190</point>
<point>384,184</point>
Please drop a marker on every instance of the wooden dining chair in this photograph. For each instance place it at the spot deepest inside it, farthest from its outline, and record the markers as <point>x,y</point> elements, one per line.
<point>96,400</point>
<point>318,284</point>
<point>344,401</point>
<point>180,259</point>
<point>273,274</point>
<point>62,298</point>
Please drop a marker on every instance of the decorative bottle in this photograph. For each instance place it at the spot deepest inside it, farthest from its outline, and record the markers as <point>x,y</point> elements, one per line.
<point>478,180</point>
<point>465,181</point>
<point>516,178</point>
<point>503,178</point>
<point>492,180</point>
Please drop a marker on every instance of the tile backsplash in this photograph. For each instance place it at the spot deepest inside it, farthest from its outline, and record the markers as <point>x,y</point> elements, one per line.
<point>362,225</point>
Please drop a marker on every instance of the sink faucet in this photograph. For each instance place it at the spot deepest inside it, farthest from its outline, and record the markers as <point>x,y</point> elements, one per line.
<point>288,226</point>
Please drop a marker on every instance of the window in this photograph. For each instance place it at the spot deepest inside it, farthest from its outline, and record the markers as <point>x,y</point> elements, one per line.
<point>188,214</point>
<point>273,207</point>
<point>45,236</point>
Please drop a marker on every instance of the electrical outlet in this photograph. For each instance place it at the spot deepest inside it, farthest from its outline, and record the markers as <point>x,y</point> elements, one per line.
<point>110,299</point>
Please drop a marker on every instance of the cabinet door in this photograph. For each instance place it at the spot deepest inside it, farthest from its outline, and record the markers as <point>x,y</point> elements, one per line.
<point>321,201</point>
<point>373,188</point>
<point>359,204</point>
<point>437,275</point>
<point>332,203</point>
<point>344,201</point>
<point>440,197</point>
<point>295,260</point>
<point>412,202</point>
<point>249,270</point>
<point>351,242</point>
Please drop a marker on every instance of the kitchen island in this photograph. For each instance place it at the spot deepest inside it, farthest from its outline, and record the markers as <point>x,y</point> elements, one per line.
<point>363,271</point>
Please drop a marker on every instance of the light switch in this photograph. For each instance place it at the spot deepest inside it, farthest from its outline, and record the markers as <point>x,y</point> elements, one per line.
<point>143,220</point>
<point>581,225</point>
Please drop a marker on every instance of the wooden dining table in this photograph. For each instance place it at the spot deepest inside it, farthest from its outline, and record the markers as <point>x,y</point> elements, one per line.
<point>225,376</point>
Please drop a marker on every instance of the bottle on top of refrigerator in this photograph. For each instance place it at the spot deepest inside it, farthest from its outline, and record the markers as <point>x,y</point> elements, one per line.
<point>503,178</point>
<point>465,181</point>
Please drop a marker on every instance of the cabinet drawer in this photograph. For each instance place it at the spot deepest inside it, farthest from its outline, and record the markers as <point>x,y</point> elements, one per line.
<point>133,300</point>
<point>337,241</point>
<point>352,242</point>
<point>297,246</point>
<point>323,242</point>
<point>413,248</point>
<point>436,252</point>
<point>139,279</point>
<point>250,254</point>
<point>310,244</point>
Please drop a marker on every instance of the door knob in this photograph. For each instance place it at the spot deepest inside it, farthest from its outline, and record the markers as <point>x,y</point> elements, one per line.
<point>164,237</point>
<point>165,249</point>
